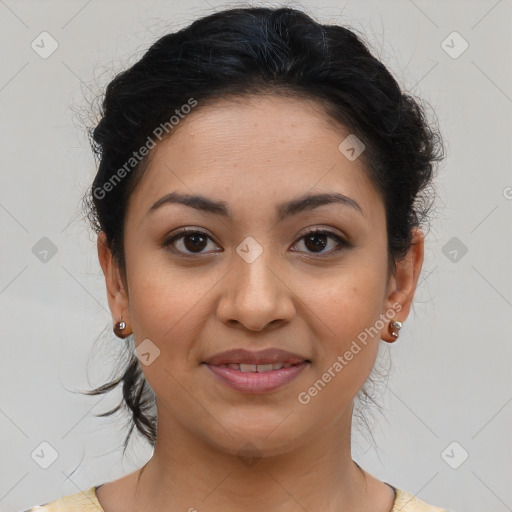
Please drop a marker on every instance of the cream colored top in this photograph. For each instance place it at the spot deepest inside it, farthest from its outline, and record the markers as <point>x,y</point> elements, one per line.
<point>88,502</point>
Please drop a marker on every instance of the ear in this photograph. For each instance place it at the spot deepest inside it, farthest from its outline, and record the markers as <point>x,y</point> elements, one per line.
<point>402,285</point>
<point>116,292</point>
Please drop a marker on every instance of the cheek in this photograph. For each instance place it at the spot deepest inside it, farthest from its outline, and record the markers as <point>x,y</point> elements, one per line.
<point>161,301</point>
<point>348,310</point>
<point>170,307</point>
<point>167,311</point>
<point>347,352</point>
<point>348,304</point>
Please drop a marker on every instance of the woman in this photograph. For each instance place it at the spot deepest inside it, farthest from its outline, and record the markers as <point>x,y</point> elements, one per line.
<point>259,199</point>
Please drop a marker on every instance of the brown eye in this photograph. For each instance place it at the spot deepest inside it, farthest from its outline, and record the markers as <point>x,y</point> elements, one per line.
<point>195,242</point>
<point>316,241</point>
<point>188,241</point>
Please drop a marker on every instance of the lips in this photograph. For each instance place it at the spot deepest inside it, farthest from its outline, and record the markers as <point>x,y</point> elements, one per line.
<point>255,382</point>
<point>261,357</point>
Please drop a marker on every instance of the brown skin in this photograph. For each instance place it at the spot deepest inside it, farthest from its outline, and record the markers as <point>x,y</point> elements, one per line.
<point>254,154</point>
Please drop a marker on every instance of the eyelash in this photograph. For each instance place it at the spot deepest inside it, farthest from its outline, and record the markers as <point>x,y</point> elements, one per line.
<point>184,232</point>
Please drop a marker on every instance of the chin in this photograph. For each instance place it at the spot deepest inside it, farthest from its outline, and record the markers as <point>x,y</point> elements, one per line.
<point>257,441</point>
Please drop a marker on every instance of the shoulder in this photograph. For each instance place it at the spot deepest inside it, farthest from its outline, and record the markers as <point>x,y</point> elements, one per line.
<point>85,501</point>
<point>406,502</point>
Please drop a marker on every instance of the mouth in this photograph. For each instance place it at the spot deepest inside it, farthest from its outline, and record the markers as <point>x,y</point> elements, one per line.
<point>260,371</point>
<point>256,378</point>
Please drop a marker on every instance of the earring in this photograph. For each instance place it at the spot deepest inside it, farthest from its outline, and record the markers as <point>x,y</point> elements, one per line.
<point>394,327</point>
<point>119,327</point>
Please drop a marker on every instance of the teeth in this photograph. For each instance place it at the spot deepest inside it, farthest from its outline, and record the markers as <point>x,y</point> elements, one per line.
<point>248,367</point>
<point>260,368</point>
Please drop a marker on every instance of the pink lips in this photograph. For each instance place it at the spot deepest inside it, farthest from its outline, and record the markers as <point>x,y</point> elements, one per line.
<point>254,382</point>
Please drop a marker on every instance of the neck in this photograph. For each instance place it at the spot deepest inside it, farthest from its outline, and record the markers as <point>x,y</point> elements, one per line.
<point>186,472</point>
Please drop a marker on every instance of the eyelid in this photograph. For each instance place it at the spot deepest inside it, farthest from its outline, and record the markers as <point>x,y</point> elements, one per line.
<point>321,229</point>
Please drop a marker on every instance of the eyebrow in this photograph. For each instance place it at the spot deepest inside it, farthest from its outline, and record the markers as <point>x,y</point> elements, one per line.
<point>284,210</point>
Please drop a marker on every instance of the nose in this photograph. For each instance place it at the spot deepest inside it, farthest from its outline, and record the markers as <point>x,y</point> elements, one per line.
<point>256,296</point>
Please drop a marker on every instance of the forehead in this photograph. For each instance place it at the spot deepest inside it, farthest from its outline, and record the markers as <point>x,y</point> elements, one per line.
<point>258,149</point>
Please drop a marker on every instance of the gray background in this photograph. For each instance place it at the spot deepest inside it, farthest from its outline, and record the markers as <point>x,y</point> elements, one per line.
<point>451,378</point>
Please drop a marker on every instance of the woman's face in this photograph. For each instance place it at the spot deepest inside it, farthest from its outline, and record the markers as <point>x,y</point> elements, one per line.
<point>253,278</point>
